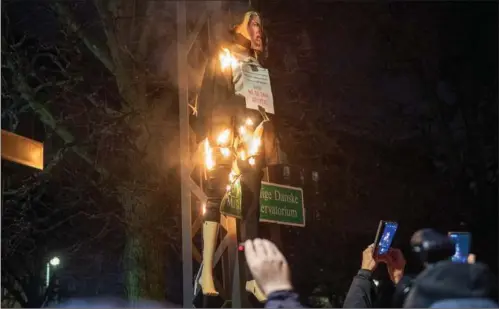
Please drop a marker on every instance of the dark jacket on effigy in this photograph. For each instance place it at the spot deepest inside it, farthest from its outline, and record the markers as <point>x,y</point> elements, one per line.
<point>218,107</point>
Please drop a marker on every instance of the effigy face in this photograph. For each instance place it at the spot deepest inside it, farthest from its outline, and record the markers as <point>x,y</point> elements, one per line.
<point>255,32</point>
<point>251,29</point>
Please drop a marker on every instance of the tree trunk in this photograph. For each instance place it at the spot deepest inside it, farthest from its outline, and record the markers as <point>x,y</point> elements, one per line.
<point>145,254</point>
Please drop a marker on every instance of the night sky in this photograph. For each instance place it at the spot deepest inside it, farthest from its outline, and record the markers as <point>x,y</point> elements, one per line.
<point>394,104</point>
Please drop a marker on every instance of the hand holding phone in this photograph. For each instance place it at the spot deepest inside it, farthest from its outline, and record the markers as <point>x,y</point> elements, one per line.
<point>384,237</point>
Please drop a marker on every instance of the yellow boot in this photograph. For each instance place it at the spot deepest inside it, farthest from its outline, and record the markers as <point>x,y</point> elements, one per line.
<point>253,288</point>
<point>206,282</point>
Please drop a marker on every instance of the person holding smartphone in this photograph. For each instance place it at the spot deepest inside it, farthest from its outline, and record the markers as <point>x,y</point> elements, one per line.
<point>362,290</point>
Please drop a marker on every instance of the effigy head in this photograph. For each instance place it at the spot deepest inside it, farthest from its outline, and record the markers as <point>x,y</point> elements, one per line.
<point>251,28</point>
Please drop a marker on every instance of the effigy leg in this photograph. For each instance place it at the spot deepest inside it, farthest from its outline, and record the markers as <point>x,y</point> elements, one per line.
<point>210,231</point>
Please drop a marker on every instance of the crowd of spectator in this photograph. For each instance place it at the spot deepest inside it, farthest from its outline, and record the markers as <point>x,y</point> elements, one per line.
<point>442,284</point>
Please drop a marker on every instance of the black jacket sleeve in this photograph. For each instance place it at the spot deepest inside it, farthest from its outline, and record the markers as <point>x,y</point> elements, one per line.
<point>361,292</point>
<point>283,299</point>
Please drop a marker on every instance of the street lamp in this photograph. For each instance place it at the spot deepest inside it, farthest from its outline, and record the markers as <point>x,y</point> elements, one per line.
<point>53,262</point>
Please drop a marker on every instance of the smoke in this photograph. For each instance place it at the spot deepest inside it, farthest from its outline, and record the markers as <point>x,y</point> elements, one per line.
<point>223,15</point>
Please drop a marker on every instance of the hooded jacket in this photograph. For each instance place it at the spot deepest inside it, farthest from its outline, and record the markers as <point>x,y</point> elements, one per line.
<point>448,281</point>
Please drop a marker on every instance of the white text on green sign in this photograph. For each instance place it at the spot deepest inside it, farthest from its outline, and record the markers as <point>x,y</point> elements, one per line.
<point>282,204</point>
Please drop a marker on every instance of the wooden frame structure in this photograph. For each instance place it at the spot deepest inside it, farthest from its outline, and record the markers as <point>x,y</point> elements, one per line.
<point>228,245</point>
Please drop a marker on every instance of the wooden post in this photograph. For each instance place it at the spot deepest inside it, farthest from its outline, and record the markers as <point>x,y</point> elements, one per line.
<point>183,103</point>
<point>188,186</point>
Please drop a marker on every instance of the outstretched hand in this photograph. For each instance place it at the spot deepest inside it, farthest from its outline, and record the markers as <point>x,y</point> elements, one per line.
<point>267,265</point>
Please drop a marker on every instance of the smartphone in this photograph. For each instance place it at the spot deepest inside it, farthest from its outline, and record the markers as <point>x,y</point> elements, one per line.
<point>384,237</point>
<point>462,243</point>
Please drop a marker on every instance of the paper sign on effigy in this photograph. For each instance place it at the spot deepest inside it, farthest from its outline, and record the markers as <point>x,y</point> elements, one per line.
<point>256,87</point>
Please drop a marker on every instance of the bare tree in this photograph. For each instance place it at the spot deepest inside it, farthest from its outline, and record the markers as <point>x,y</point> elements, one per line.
<point>126,141</point>
<point>50,219</point>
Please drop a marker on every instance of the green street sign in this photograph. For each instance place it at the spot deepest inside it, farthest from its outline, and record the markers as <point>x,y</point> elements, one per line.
<point>278,204</point>
<point>231,204</point>
<point>282,204</point>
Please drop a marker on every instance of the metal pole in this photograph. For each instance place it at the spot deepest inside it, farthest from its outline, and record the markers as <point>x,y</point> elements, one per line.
<point>47,275</point>
<point>184,154</point>
<point>2,177</point>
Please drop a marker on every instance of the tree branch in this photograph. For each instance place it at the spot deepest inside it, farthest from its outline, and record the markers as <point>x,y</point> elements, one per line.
<point>92,44</point>
<point>124,81</point>
<point>10,285</point>
<point>46,117</point>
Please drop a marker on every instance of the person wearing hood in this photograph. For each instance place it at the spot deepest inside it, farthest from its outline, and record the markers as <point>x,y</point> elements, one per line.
<point>453,285</point>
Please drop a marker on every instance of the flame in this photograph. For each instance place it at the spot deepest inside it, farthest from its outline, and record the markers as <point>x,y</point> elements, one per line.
<point>252,140</point>
<point>249,141</point>
<point>242,155</point>
<point>227,60</point>
<point>242,130</point>
<point>255,144</point>
<point>208,156</point>
<point>223,138</point>
<point>203,209</point>
<point>256,140</point>
<point>225,152</point>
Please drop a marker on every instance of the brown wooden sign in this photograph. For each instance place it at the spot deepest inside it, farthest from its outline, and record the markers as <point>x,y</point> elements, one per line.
<point>22,150</point>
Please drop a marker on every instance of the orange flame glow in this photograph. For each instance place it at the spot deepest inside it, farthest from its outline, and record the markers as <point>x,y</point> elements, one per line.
<point>227,60</point>
<point>209,161</point>
<point>223,138</point>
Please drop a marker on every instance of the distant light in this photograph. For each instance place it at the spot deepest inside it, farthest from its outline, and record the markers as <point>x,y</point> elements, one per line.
<point>55,261</point>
